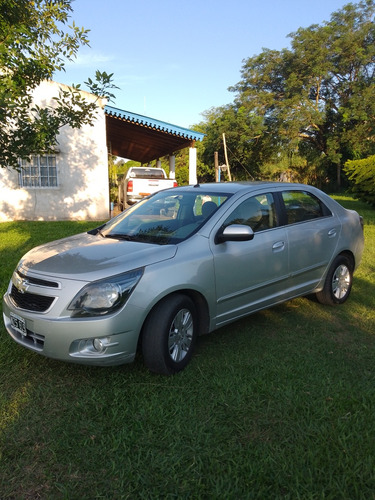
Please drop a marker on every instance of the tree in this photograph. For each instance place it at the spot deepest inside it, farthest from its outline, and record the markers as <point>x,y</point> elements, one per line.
<point>316,100</point>
<point>36,41</point>
<point>245,141</point>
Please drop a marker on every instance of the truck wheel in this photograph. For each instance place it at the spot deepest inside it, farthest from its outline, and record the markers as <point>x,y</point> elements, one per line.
<point>338,282</point>
<point>169,335</point>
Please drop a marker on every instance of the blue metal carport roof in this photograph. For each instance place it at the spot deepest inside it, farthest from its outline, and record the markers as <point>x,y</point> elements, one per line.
<point>144,139</point>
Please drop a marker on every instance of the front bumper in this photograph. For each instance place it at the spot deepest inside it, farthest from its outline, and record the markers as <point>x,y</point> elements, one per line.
<point>72,340</point>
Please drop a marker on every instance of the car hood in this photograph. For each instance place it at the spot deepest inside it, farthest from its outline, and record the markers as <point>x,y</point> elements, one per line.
<point>88,257</point>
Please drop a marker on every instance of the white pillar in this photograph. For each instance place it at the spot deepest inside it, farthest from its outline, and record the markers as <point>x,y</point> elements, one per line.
<point>192,166</point>
<point>172,167</point>
<point>158,164</point>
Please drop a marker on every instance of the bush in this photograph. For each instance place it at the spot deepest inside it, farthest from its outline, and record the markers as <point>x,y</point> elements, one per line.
<point>361,173</point>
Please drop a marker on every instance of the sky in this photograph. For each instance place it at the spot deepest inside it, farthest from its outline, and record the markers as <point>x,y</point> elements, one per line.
<point>173,60</point>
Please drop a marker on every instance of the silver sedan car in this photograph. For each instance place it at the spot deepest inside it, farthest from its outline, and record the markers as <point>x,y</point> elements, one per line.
<point>181,263</point>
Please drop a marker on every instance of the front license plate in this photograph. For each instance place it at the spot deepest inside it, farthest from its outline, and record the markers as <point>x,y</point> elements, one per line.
<point>18,324</point>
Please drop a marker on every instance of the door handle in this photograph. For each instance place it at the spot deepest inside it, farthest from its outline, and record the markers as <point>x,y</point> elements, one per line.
<point>332,233</point>
<point>278,246</point>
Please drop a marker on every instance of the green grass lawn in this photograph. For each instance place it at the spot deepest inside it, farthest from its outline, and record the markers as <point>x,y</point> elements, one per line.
<point>278,405</point>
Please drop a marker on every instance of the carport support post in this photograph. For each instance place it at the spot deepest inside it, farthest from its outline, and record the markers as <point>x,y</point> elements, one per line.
<point>172,167</point>
<point>192,166</point>
<point>217,170</point>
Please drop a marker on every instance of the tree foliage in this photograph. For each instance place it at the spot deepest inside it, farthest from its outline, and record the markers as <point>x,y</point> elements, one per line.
<point>309,108</point>
<point>362,175</point>
<point>35,41</point>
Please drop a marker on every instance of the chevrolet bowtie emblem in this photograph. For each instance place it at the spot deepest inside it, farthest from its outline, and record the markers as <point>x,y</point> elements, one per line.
<point>21,284</point>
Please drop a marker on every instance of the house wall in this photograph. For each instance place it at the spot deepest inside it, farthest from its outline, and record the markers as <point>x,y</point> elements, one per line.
<point>82,168</point>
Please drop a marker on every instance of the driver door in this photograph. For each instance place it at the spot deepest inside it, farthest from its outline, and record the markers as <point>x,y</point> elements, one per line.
<point>252,274</point>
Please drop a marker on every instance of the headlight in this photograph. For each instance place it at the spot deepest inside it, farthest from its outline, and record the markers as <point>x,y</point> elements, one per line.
<point>105,296</point>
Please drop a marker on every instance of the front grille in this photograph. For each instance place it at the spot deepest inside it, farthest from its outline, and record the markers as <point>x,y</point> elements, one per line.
<point>30,301</point>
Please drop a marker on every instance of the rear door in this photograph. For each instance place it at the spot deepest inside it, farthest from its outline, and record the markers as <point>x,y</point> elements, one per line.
<point>312,233</point>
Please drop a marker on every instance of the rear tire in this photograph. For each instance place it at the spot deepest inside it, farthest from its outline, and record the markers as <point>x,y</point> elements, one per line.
<point>338,282</point>
<point>169,335</point>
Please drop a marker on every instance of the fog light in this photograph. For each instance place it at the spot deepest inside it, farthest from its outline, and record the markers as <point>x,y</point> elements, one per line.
<point>99,345</point>
<point>94,347</point>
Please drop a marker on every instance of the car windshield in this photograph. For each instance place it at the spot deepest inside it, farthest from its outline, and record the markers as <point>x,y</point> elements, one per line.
<point>168,217</point>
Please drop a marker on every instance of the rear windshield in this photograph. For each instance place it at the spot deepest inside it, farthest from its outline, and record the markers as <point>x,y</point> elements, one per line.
<point>147,173</point>
<point>165,218</point>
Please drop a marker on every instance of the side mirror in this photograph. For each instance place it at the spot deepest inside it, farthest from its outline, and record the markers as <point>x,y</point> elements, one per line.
<point>235,232</point>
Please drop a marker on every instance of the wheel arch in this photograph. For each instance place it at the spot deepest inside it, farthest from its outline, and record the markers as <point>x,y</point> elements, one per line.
<point>201,307</point>
<point>349,255</point>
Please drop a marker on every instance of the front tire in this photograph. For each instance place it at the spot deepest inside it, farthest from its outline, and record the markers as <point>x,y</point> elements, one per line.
<point>338,282</point>
<point>169,335</point>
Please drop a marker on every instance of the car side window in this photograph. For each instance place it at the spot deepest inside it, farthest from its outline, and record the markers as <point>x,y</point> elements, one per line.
<point>258,212</point>
<point>301,206</point>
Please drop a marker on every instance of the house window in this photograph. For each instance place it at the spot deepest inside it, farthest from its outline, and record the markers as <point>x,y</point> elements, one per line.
<point>40,172</point>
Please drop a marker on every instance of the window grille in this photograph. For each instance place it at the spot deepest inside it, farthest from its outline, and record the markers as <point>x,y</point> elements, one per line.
<point>39,173</point>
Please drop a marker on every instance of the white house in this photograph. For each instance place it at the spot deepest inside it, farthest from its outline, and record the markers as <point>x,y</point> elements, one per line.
<point>71,184</point>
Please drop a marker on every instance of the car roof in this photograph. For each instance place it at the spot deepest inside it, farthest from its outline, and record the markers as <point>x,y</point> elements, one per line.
<point>236,187</point>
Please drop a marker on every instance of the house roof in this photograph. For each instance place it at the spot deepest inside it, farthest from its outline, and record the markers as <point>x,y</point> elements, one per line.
<point>142,138</point>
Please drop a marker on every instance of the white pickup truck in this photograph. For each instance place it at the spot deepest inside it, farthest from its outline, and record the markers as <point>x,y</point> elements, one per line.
<point>142,181</point>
